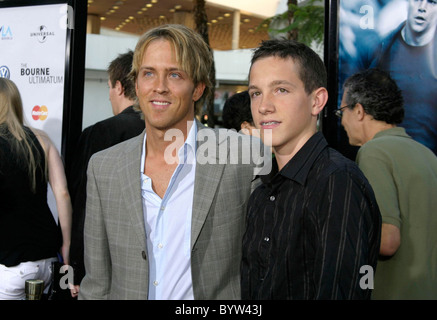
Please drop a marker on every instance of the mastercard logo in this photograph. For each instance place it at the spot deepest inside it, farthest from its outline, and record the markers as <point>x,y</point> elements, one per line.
<point>39,113</point>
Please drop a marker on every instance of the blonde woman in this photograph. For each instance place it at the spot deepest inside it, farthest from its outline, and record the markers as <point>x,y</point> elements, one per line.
<point>29,236</point>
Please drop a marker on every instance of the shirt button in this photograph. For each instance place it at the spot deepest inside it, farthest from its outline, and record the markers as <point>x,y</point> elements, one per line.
<point>160,246</point>
<point>155,283</point>
<point>272,198</point>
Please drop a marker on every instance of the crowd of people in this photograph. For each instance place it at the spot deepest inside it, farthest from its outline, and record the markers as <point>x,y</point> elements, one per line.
<point>160,207</point>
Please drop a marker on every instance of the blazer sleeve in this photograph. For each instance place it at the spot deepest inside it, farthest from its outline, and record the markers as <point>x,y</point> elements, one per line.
<point>97,281</point>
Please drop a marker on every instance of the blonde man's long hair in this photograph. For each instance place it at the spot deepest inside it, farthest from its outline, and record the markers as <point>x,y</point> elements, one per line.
<point>192,53</point>
<point>12,130</point>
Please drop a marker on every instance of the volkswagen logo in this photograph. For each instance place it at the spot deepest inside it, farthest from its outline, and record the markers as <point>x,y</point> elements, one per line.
<point>4,72</point>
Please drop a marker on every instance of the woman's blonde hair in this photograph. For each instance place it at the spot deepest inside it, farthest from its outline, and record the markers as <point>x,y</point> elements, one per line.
<point>192,53</point>
<point>12,130</point>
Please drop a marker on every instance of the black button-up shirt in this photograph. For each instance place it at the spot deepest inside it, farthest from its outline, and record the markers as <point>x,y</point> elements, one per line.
<point>310,229</point>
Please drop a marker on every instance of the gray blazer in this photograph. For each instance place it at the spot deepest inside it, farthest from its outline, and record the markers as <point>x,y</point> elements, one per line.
<point>115,239</point>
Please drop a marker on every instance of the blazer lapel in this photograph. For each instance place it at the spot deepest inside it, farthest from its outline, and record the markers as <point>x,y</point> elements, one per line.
<point>206,182</point>
<point>130,181</point>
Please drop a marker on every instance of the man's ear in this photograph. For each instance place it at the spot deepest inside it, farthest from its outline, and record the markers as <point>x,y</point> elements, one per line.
<point>359,111</point>
<point>119,88</point>
<point>198,91</point>
<point>320,100</point>
<point>245,125</point>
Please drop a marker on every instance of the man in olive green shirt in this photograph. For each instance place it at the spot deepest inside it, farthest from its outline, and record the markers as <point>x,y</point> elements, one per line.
<point>403,175</point>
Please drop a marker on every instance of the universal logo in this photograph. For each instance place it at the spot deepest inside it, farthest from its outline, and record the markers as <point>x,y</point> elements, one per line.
<point>4,72</point>
<point>42,34</point>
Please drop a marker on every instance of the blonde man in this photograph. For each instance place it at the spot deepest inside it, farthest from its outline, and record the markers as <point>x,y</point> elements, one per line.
<point>165,210</point>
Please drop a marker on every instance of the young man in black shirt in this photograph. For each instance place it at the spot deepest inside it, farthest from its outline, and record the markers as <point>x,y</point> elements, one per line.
<point>313,229</point>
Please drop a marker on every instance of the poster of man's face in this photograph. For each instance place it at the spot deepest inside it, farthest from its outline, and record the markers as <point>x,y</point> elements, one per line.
<point>422,17</point>
<point>398,36</point>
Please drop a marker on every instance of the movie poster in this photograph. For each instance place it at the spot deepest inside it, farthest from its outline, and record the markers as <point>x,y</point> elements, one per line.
<point>33,43</point>
<point>398,36</point>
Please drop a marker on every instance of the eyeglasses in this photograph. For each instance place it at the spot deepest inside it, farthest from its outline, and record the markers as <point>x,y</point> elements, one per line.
<point>339,112</point>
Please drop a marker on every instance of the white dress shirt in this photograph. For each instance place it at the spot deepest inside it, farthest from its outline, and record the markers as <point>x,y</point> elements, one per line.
<point>168,226</point>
